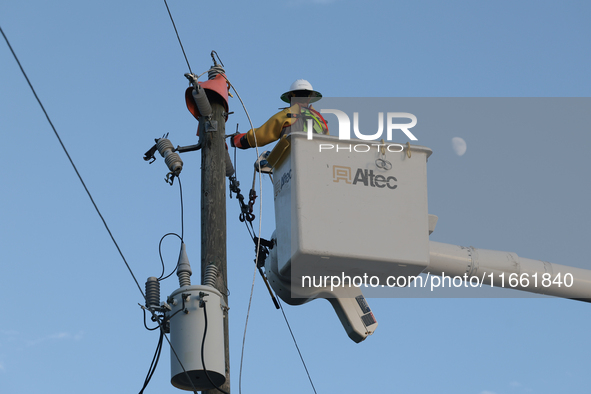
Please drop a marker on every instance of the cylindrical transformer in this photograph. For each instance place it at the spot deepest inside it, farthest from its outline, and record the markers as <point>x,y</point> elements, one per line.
<point>186,336</point>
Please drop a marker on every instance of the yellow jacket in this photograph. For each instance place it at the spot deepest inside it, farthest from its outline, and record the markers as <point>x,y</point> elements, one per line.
<point>280,124</point>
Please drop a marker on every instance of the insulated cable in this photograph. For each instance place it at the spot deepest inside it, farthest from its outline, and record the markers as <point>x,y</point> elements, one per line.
<point>182,209</point>
<point>297,347</point>
<point>146,325</point>
<point>245,326</point>
<point>155,360</point>
<point>177,36</point>
<point>162,277</point>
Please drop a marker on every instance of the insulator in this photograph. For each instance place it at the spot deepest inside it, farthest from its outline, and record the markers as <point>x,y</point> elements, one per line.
<point>174,162</point>
<point>211,275</point>
<point>202,101</point>
<point>184,271</point>
<point>152,293</point>
<point>184,279</point>
<point>172,159</point>
<point>215,70</point>
<point>163,145</point>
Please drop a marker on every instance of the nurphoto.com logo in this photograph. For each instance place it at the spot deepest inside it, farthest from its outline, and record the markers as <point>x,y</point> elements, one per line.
<point>345,130</point>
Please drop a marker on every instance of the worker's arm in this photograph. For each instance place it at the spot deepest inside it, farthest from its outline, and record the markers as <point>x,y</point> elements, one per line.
<point>268,132</point>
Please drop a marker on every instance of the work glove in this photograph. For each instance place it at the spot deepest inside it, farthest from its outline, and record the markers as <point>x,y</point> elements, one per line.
<point>239,141</point>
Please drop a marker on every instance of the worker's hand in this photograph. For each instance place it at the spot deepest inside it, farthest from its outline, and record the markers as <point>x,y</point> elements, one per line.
<point>239,141</point>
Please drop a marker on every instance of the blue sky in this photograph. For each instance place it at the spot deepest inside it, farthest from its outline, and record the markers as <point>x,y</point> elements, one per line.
<point>110,75</point>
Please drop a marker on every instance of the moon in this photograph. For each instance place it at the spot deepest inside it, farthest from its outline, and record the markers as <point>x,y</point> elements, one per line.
<point>459,145</point>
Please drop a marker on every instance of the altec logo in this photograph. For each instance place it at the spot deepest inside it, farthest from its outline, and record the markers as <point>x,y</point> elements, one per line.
<point>280,182</point>
<point>345,125</point>
<point>363,177</point>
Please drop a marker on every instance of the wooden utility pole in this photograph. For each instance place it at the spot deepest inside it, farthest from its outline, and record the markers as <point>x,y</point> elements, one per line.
<point>213,208</point>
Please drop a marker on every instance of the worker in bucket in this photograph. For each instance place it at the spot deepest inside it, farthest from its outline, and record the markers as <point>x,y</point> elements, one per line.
<point>294,118</point>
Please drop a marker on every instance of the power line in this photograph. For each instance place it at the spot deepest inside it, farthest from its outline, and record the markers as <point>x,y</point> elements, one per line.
<point>297,347</point>
<point>177,36</point>
<point>72,163</point>
<point>245,326</point>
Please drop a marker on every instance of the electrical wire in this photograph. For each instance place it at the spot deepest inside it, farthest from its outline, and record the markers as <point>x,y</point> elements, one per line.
<point>182,209</point>
<point>162,277</point>
<point>254,276</point>
<point>296,345</point>
<point>145,325</point>
<point>177,36</point>
<point>73,165</point>
<point>154,362</point>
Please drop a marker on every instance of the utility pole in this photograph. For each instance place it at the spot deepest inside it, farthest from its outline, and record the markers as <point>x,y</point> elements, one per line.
<point>213,208</point>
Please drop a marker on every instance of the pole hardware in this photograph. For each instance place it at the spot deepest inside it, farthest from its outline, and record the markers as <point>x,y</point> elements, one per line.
<point>211,125</point>
<point>188,148</point>
<point>245,209</point>
<point>186,297</point>
<point>275,302</point>
<point>264,247</point>
<point>202,296</point>
<point>171,300</point>
<point>171,157</point>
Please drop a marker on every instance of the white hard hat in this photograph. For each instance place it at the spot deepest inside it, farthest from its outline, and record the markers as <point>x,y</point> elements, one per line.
<point>301,85</point>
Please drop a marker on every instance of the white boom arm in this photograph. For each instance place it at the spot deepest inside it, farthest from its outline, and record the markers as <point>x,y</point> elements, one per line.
<point>498,268</point>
